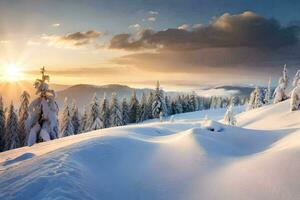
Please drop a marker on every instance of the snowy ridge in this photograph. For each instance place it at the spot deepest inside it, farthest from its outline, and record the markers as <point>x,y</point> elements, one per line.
<point>191,158</point>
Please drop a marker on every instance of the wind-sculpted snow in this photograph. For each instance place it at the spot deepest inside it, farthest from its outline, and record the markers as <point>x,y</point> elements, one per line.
<point>184,159</point>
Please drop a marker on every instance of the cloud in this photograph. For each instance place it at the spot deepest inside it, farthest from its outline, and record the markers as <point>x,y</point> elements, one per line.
<point>151,12</point>
<point>77,39</point>
<point>33,43</point>
<point>242,30</point>
<point>152,19</point>
<point>135,26</point>
<point>4,41</point>
<point>184,27</point>
<point>56,25</point>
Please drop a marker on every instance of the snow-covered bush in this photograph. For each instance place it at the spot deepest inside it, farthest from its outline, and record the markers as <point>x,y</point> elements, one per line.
<point>295,98</point>
<point>280,91</point>
<point>42,121</point>
<point>229,117</point>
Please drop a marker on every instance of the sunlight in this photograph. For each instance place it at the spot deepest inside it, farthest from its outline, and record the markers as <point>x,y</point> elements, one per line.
<point>12,72</point>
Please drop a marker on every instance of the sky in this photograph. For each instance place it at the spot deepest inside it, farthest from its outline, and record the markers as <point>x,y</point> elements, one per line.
<point>182,43</point>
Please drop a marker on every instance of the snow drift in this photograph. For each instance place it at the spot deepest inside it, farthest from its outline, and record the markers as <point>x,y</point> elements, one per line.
<point>184,159</point>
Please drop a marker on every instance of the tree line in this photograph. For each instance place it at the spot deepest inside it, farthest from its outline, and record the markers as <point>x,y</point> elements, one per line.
<point>38,120</point>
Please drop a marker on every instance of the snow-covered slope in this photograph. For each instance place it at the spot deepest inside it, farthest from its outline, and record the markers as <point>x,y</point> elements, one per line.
<point>187,159</point>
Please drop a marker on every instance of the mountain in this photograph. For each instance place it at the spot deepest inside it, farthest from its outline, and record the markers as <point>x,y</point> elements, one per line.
<point>191,158</point>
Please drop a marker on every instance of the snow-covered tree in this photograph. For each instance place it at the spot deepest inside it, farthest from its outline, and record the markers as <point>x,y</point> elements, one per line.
<point>133,108</point>
<point>42,120</point>
<point>256,99</point>
<point>295,98</point>
<point>168,105</point>
<point>2,124</point>
<point>75,116</point>
<point>125,112</point>
<point>229,117</point>
<point>143,109</point>
<point>280,91</point>
<point>193,103</point>
<point>23,115</point>
<point>158,105</point>
<point>84,121</point>
<point>267,99</point>
<point>115,112</point>
<point>296,79</point>
<point>105,115</point>
<point>94,121</point>
<point>149,105</point>
<point>11,139</point>
<point>66,125</point>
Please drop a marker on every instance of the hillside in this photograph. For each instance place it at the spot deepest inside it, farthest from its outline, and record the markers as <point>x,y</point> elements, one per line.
<point>189,158</point>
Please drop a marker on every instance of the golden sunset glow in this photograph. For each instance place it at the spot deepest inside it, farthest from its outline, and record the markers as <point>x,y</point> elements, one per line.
<point>12,72</point>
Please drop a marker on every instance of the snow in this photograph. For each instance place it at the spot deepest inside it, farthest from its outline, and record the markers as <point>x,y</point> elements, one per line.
<point>178,159</point>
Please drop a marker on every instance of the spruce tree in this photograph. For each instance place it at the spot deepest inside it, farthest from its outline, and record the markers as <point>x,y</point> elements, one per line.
<point>67,127</point>
<point>105,115</point>
<point>2,125</point>
<point>75,116</point>
<point>11,139</point>
<point>125,112</point>
<point>143,109</point>
<point>23,115</point>
<point>94,119</point>
<point>84,121</point>
<point>133,108</point>
<point>158,105</point>
<point>267,99</point>
<point>115,112</point>
<point>149,105</point>
<point>168,105</point>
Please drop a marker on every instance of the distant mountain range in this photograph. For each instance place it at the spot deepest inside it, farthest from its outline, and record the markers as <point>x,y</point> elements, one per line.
<point>83,93</point>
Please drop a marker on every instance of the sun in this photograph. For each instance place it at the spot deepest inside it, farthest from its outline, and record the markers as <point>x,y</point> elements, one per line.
<point>12,72</point>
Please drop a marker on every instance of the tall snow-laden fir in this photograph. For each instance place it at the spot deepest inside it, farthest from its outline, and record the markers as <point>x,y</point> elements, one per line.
<point>115,112</point>
<point>2,124</point>
<point>105,115</point>
<point>75,115</point>
<point>42,120</point>
<point>150,102</point>
<point>66,125</point>
<point>23,115</point>
<point>158,105</point>
<point>84,120</point>
<point>94,118</point>
<point>125,112</point>
<point>168,105</point>
<point>280,93</point>
<point>133,108</point>
<point>296,79</point>
<point>256,99</point>
<point>193,102</point>
<point>11,139</point>
<point>143,109</point>
<point>267,99</point>
<point>229,117</point>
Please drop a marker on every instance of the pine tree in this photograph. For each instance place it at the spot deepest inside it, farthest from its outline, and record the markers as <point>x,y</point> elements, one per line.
<point>75,116</point>
<point>158,105</point>
<point>149,105</point>
<point>296,79</point>
<point>94,122</point>
<point>84,121</point>
<point>168,105</point>
<point>2,125</point>
<point>143,109</point>
<point>133,108</point>
<point>179,104</point>
<point>193,103</point>
<point>267,99</point>
<point>105,115</point>
<point>125,112</point>
<point>67,127</point>
<point>11,139</point>
<point>115,112</point>
<point>229,117</point>
<point>23,115</point>
<point>42,121</point>
<point>258,98</point>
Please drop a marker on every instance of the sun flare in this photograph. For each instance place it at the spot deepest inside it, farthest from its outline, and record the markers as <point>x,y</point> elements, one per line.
<point>12,72</point>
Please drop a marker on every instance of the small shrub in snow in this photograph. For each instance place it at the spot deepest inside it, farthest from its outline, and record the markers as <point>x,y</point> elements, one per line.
<point>229,117</point>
